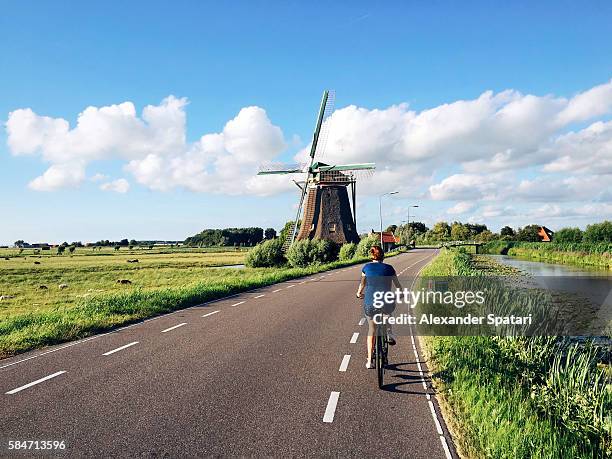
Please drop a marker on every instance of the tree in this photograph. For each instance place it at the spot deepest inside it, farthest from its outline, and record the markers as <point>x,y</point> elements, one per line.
<point>528,233</point>
<point>133,242</point>
<point>475,228</point>
<point>568,235</point>
<point>486,236</point>
<point>117,247</point>
<point>285,231</point>
<point>441,231</point>
<point>71,249</point>
<point>459,232</point>
<point>270,233</point>
<point>60,249</point>
<point>20,243</point>
<point>391,229</point>
<point>124,243</point>
<point>599,232</point>
<point>507,231</point>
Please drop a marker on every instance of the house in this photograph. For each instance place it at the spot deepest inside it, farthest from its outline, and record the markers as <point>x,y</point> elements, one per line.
<point>545,234</point>
<point>389,239</point>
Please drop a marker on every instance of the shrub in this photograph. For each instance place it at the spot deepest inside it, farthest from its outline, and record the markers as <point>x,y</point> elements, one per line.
<point>364,246</point>
<point>599,232</point>
<point>568,235</point>
<point>307,252</point>
<point>347,251</point>
<point>267,254</point>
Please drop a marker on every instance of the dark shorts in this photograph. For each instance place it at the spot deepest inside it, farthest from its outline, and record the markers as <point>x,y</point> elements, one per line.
<point>369,311</point>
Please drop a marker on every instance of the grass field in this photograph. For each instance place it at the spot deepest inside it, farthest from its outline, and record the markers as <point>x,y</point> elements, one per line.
<point>161,281</point>
<point>93,273</point>
<point>519,397</point>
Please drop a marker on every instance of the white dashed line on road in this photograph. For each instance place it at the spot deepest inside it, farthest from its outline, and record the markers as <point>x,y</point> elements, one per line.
<point>172,328</point>
<point>259,296</point>
<point>210,313</point>
<point>331,407</point>
<point>238,304</point>
<point>362,321</point>
<point>435,418</point>
<point>46,378</point>
<point>354,338</point>
<point>345,361</point>
<point>290,286</point>
<point>277,290</point>
<point>120,348</point>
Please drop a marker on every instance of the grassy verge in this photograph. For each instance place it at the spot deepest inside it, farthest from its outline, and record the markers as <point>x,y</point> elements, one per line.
<point>585,254</point>
<point>23,329</point>
<point>504,397</point>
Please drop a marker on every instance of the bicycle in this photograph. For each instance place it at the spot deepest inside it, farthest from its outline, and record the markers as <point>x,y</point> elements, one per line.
<point>381,353</point>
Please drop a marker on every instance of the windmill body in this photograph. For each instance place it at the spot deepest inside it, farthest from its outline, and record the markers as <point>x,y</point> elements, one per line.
<point>328,210</point>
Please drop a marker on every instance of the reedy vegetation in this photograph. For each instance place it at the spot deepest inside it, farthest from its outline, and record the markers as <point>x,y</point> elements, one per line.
<point>520,397</point>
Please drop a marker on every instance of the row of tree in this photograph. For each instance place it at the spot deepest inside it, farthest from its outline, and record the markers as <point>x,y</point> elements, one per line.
<point>245,237</point>
<point>457,231</point>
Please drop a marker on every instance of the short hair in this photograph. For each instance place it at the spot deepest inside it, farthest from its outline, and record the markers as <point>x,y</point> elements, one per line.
<point>376,253</point>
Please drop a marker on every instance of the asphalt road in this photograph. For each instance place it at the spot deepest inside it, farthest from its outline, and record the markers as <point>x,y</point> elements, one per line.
<point>276,371</point>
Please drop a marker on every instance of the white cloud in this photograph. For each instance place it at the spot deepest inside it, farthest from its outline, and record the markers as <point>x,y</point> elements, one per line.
<point>98,177</point>
<point>118,186</point>
<point>59,176</point>
<point>460,208</point>
<point>467,187</point>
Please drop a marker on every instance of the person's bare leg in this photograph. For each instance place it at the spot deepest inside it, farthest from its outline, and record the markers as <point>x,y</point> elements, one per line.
<point>370,340</point>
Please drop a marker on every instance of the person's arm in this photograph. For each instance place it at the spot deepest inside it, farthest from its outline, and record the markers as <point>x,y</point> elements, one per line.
<point>362,285</point>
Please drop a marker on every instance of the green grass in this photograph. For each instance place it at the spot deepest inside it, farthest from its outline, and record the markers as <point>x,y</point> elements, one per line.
<point>585,254</point>
<point>539,397</point>
<point>94,302</point>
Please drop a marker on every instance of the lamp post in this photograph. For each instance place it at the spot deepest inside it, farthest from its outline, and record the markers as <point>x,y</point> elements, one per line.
<point>409,229</point>
<point>382,246</point>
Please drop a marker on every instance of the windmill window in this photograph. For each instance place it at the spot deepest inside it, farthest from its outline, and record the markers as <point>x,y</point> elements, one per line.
<point>332,227</point>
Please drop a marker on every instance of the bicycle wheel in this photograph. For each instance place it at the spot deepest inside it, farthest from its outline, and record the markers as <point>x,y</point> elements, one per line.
<point>380,366</point>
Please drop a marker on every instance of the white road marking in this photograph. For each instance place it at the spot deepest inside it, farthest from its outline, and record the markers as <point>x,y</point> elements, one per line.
<point>172,328</point>
<point>291,286</point>
<point>259,296</point>
<point>303,282</point>
<point>435,418</point>
<point>120,348</point>
<point>445,446</point>
<point>238,304</point>
<point>362,321</point>
<point>210,313</point>
<point>354,338</point>
<point>345,361</point>
<point>38,381</point>
<point>412,338</point>
<point>419,367</point>
<point>277,290</point>
<point>424,385</point>
<point>331,407</point>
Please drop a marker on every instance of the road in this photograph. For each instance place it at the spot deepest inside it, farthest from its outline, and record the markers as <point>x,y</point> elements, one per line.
<point>275,371</point>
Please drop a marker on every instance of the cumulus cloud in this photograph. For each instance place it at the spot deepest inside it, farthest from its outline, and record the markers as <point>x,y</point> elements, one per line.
<point>482,151</point>
<point>117,186</point>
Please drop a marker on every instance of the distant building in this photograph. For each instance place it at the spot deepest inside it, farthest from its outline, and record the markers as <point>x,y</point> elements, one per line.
<point>545,234</point>
<point>388,238</point>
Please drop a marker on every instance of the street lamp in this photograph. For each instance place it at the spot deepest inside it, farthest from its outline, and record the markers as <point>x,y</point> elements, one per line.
<point>382,246</point>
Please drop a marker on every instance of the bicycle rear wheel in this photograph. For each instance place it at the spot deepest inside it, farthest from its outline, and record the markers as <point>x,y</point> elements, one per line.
<point>380,364</point>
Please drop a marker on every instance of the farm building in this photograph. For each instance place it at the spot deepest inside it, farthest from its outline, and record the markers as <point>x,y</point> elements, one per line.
<point>389,239</point>
<point>545,234</point>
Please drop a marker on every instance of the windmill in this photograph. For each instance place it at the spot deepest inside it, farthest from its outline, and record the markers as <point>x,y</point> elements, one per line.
<point>324,197</point>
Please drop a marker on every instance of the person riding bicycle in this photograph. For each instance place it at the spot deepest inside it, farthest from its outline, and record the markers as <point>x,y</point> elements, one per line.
<point>376,277</point>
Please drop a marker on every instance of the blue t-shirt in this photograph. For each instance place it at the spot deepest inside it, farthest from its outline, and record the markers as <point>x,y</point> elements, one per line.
<point>379,277</point>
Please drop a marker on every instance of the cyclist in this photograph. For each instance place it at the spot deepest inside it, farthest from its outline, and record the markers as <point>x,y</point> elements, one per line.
<point>376,277</point>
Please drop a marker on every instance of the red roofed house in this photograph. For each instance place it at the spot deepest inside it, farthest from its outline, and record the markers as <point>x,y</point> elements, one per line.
<point>389,240</point>
<point>545,234</point>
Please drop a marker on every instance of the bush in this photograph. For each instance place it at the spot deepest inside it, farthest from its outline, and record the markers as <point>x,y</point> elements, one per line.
<point>568,235</point>
<point>348,251</point>
<point>364,246</point>
<point>599,232</point>
<point>307,252</point>
<point>267,254</point>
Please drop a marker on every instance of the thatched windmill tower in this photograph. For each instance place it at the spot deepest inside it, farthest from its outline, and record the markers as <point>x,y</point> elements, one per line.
<point>328,213</point>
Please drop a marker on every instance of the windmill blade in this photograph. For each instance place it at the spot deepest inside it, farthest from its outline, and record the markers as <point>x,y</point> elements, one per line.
<point>349,167</point>
<point>327,107</point>
<point>279,168</point>
<point>324,134</point>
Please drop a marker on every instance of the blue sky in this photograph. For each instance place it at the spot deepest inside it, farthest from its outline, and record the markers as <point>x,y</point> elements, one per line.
<point>58,58</point>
